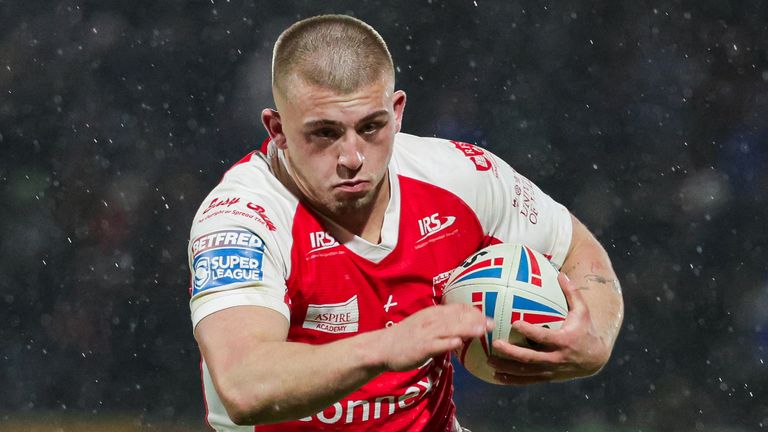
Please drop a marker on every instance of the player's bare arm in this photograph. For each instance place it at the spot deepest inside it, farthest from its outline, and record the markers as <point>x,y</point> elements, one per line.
<point>583,345</point>
<point>261,378</point>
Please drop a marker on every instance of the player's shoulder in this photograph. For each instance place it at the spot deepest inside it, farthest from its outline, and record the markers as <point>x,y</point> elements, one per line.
<point>447,163</point>
<point>248,197</point>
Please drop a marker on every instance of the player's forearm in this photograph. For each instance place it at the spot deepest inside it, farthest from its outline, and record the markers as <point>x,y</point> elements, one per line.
<point>280,381</point>
<point>589,268</point>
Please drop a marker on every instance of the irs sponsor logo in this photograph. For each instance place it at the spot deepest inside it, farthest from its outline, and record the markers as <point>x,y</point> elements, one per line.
<point>476,155</point>
<point>432,224</point>
<point>262,213</point>
<point>333,318</point>
<point>320,241</point>
<point>218,202</point>
<point>226,257</point>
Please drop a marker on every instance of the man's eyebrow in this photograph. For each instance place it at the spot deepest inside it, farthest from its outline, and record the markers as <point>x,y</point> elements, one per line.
<point>373,115</point>
<point>321,123</point>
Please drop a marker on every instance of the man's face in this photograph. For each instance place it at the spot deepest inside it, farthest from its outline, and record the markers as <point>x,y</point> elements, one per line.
<point>338,146</point>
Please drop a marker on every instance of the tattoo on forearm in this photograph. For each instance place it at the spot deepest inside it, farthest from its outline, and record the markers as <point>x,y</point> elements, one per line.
<point>604,280</point>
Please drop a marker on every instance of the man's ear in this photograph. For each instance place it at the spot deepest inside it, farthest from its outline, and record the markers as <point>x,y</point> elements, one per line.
<point>398,106</point>
<point>274,126</point>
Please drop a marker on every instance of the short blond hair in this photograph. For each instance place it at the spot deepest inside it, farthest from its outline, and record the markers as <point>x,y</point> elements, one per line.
<point>337,52</point>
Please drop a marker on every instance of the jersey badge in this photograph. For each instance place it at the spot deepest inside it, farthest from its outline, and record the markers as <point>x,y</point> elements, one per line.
<point>433,224</point>
<point>320,241</point>
<point>226,257</point>
<point>334,317</point>
<point>438,283</point>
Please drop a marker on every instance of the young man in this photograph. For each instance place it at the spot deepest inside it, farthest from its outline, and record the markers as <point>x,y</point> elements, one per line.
<point>318,262</point>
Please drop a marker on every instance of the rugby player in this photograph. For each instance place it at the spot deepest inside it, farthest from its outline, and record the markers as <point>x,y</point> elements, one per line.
<point>318,262</point>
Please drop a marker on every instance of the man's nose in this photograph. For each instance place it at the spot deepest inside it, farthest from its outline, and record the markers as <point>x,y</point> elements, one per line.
<point>350,156</point>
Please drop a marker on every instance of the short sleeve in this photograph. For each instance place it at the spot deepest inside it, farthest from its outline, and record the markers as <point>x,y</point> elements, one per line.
<point>519,212</point>
<point>235,258</point>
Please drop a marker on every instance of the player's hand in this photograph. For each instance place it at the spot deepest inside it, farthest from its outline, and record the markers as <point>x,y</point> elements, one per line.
<point>430,332</point>
<point>572,351</point>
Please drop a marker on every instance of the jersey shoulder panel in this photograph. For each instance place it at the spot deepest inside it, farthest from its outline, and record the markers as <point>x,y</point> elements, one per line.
<point>510,207</point>
<point>240,242</point>
<point>248,195</point>
<point>460,168</point>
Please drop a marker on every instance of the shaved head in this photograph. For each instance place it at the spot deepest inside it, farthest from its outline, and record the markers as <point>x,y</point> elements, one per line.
<point>336,52</point>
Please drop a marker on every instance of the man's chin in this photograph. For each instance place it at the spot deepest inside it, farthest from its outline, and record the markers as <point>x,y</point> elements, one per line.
<point>351,202</point>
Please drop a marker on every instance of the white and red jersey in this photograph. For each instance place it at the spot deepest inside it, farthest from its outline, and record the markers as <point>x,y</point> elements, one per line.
<point>254,243</point>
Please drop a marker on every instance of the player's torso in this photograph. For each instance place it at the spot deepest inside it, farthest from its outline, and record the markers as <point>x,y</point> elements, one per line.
<point>331,291</point>
<point>436,232</point>
<point>337,292</point>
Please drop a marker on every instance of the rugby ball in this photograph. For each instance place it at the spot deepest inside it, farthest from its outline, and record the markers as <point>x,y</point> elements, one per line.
<point>508,282</point>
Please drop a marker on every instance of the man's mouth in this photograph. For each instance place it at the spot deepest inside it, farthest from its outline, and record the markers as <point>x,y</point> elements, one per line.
<point>352,185</point>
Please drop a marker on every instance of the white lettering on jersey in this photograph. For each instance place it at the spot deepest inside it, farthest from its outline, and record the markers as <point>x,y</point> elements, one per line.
<point>321,240</point>
<point>433,224</point>
<point>226,238</point>
<point>359,411</point>
<point>389,304</point>
<point>333,318</point>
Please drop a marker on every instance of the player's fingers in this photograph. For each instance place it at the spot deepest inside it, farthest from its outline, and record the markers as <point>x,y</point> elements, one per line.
<point>572,295</point>
<point>444,329</point>
<point>526,355</point>
<point>443,345</point>
<point>464,332</point>
<point>538,334</point>
<point>577,309</point>
<point>467,322</point>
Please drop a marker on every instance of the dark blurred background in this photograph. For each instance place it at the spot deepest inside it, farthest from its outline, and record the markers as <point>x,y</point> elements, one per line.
<point>648,119</point>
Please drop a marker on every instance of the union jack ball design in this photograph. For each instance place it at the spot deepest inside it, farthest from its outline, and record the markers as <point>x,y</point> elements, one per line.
<point>508,282</point>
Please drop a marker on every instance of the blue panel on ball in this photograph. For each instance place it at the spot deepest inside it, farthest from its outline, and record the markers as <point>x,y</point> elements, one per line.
<point>527,304</point>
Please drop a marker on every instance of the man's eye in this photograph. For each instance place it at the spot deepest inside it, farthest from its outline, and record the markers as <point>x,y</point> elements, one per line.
<point>325,133</point>
<point>370,128</point>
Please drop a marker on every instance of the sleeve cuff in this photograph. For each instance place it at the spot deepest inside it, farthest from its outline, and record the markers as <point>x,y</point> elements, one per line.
<point>563,238</point>
<point>206,305</point>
